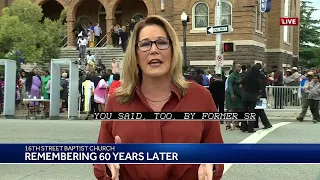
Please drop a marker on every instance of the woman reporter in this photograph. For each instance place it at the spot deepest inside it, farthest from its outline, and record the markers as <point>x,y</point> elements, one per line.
<point>152,81</point>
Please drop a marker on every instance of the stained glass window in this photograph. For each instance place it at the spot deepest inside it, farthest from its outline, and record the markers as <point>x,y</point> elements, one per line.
<point>201,13</point>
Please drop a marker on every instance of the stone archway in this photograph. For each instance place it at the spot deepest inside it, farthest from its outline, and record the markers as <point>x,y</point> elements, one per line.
<point>42,2</point>
<point>74,7</point>
<point>78,10</point>
<point>52,10</point>
<point>124,11</point>
<point>111,8</point>
<point>151,9</point>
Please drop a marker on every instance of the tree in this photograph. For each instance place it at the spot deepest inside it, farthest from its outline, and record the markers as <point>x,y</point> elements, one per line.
<point>309,36</point>
<point>24,30</point>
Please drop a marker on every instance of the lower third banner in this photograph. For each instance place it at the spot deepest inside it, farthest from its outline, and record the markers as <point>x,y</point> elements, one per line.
<point>158,153</point>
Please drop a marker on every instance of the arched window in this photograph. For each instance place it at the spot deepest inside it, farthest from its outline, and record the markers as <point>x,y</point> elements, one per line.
<point>226,13</point>
<point>200,13</point>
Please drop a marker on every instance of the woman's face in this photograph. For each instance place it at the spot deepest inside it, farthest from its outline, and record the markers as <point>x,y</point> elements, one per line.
<point>155,62</point>
<point>316,79</point>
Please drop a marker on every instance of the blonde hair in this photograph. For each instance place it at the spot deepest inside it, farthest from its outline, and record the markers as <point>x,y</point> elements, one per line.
<point>130,72</point>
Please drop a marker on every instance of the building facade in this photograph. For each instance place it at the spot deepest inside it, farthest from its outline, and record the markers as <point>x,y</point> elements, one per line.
<point>258,37</point>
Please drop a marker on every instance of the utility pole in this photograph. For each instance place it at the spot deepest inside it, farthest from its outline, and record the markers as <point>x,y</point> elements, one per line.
<point>218,67</point>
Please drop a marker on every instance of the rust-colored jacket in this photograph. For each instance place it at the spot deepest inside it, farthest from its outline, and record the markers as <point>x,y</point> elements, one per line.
<point>197,99</point>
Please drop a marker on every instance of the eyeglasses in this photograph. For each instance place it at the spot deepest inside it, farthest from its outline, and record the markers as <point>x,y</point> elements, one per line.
<point>162,44</point>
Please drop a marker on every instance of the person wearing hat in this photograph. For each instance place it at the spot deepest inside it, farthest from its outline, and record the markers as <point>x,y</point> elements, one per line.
<point>314,98</point>
<point>305,93</point>
<point>293,80</point>
<point>296,76</point>
<point>293,77</point>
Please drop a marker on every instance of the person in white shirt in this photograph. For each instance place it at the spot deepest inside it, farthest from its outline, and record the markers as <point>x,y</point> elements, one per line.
<point>90,61</point>
<point>82,42</point>
<point>97,34</point>
<point>208,74</point>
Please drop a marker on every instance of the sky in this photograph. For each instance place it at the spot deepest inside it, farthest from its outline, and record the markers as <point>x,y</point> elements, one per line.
<point>316,4</point>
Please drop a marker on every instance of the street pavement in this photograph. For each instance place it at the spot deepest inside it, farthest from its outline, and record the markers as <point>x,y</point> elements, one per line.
<point>79,131</point>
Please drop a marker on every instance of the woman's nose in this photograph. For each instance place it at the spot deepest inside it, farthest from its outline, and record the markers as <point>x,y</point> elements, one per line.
<point>154,47</point>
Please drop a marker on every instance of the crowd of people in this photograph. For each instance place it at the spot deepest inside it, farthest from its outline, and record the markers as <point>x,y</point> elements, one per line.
<point>245,85</point>
<point>240,91</point>
<point>90,36</point>
<point>96,83</point>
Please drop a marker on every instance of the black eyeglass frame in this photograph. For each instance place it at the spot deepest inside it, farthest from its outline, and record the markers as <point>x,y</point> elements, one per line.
<point>154,42</point>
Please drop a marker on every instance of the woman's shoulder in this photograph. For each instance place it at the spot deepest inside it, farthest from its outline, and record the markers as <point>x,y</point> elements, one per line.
<point>197,90</point>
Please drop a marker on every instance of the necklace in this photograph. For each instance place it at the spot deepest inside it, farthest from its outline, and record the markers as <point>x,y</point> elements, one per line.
<point>160,100</point>
<point>157,105</point>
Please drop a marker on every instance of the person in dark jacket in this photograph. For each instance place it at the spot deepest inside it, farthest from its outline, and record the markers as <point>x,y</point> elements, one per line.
<point>243,71</point>
<point>81,80</point>
<point>263,94</point>
<point>95,79</point>
<point>124,35</point>
<point>233,95</point>
<point>251,88</point>
<point>63,91</point>
<point>198,77</point>
<point>217,90</point>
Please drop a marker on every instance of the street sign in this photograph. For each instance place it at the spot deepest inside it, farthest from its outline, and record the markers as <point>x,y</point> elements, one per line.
<point>220,59</point>
<point>218,29</point>
<point>265,6</point>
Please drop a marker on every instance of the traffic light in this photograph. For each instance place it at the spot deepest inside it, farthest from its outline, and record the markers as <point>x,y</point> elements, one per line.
<point>228,47</point>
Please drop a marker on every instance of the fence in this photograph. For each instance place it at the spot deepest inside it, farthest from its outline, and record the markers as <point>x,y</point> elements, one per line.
<point>283,97</point>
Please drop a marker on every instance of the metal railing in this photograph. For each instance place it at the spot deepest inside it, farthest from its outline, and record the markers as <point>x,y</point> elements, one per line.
<point>102,46</point>
<point>284,97</point>
<point>64,40</point>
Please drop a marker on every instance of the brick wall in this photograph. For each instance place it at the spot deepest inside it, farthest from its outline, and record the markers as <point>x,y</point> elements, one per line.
<point>243,21</point>
<point>278,58</point>
<point>242,54</point>
<point>273,28</point>
<point>2,4</point>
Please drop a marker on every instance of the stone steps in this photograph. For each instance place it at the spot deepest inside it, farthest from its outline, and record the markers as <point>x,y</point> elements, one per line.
<point>105,54</point>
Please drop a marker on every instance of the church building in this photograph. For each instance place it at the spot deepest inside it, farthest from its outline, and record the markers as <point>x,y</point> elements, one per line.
<point>255,36</point>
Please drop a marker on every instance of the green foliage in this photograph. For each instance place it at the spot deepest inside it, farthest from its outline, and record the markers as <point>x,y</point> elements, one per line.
<point>311,56</point>
<point>23,29</point>
<point>309,36</point>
